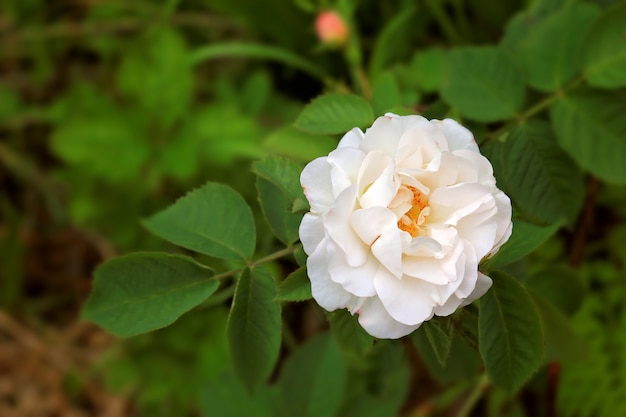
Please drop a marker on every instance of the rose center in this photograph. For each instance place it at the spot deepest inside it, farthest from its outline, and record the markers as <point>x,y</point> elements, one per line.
<point>412,220</point>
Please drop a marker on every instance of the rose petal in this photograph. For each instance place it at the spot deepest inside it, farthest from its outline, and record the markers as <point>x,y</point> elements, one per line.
<point>383,136</point>
<point>503,220</point>
<point>483,283</point>
<point>449,307</point>
<point>458,136</point>
<point>450,204</point>
<point>420,136</point>
<point>376,182</point>
<point>357,280</point>
<point>431,270</point>
<point>316,182</point>
<point>311,232</point>
<point>352,139</point>
<point>468,283</point>
<point>408,300</point>
<point>388,250</point>
<point>370,223</point>
<point>377,322</point>
<point>326,292</point>
<point>339,229</point>
<point>480,230</point>
<point>476,168</point>
<point>421,246</point>
<point>345,164</point>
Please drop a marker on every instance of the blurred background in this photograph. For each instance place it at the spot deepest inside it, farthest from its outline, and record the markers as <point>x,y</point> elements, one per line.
<point>112,109</point>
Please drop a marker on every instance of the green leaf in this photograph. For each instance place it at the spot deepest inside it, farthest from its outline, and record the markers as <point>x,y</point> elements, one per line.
<point>590,126</point>
<point>604,52</point>
<point>510,335</point>
<point>560,286</point>
<point>302,146</point>
<point>214,220</point>
<point>227,397</point>
<point>300,256</point>
<point>220,133</point>
<point>525,239</point>
<point>296,287</point>
<point>562,344</point>
<point>94,144</point>
<point>255,92</point>
<point>353,340</point>
<point>156,74</point>
<point>379,386</point>
<point>300,205</point>
<point>251,50</point>
<point>141,292</point>
<point>385,94</point>
<point>551,53</point>
<point>335,113</point>
<point>428,68</point>
<point>254,327</point>
<point>540,178</point>
<point>278,185</point>
<point>177,149</point>
<point>313,379</point>
<point>432,336</point>
<point>277,211</point>
<point>517,29</point>
<point>463,361</point>
<point>483,83</point>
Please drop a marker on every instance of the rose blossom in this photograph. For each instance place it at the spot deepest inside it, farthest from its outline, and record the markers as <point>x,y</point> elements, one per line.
<point>400,217</point>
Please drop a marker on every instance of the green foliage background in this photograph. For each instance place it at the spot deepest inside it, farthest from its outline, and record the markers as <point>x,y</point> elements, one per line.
<point>183,126</point>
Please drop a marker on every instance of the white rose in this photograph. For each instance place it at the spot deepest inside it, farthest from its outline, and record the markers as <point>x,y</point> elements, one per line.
<point>400,218</point>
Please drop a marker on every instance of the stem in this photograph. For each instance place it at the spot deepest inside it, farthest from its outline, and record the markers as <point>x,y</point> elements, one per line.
<point>169,8</point>
<point>288,337</point>
<point>354,59</point>
<point>443,20</point>
<point>227,274</point>
<point>474,396</point>
<point>585,224</point>
<point>73,30</point>
<point>461,19</point>
<point>278,254</point>
<point>218,298</point>
<point>272,256</point>
<point>26,172</point>
<point>537,108</point>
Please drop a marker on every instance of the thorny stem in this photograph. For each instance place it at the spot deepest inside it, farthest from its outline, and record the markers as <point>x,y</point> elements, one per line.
<point>474,396</point>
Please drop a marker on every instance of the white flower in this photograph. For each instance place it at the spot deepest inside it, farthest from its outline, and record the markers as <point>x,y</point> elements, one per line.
<point>400,218</point>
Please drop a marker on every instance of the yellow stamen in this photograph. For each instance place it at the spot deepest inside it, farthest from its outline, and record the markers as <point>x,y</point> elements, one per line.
<point>411,220</point>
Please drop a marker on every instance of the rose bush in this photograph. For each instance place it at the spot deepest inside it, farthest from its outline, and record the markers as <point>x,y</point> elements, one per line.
<point>400,218</point>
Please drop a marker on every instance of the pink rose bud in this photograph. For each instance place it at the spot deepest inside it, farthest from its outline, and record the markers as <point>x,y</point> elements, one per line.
<point>331,29</point>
